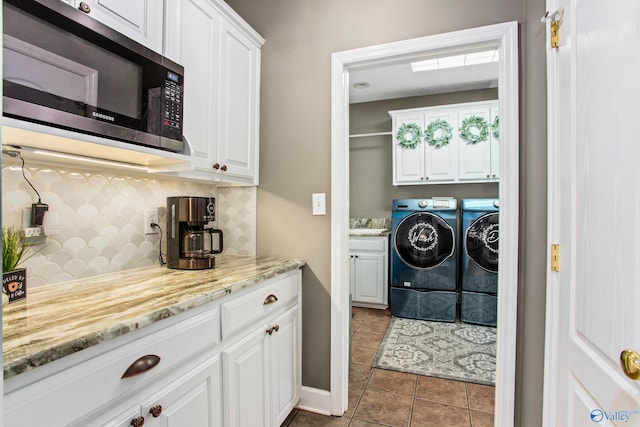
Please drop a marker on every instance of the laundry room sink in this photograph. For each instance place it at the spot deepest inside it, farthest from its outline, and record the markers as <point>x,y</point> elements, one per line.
<point>368,231</point>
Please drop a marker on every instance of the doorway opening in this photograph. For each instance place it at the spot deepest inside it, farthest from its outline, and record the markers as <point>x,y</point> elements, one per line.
<point>505,38</point>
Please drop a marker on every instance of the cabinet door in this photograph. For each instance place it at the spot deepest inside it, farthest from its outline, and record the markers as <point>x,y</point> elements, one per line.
<point>195,400</point>
<point>245,379</point>
<point>285,368</point>
<point>441,163</point>
<point>140,20</point>
<point>369,274</point>
<point>192,39</point>
<point>239,89</point>
<point>408,163</point>
<point>475,159</point>
<point>192,398</point>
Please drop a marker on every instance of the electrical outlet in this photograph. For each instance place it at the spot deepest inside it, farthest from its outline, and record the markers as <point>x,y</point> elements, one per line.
<point>150,217</point>
<point>32,232</point>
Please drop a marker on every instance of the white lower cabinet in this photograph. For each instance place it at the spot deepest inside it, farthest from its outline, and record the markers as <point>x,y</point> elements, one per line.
<point>368,270</point>
<point>192,398</point>
<point>262,370</point>
<point>246,344</point>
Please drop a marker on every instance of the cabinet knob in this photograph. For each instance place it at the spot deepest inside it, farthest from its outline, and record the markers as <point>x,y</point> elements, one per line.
<point>276,328</point>
<point>84,7</point>
<point>137,422</point>
<point>488,176</point>
<point>426,178</point>
<point>155,411</point>
<point>216,166</point>
<point>223,168</point>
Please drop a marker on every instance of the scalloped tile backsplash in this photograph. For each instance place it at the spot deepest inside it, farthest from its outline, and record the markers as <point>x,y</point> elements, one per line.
<point>97,218</point>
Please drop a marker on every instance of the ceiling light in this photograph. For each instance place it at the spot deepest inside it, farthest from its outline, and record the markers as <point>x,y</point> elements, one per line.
<point>361,85</point>
<point>453,61</point>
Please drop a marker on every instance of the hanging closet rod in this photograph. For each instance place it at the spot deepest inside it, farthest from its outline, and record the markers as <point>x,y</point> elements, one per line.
<point>362,135</point>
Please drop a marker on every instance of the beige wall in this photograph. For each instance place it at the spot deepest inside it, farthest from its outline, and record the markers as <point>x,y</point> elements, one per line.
<point>370,158</point>
<point>295,156</point>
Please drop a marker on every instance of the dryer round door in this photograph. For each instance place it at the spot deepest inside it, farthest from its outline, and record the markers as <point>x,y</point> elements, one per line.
<point>424,240</point>
<point>481,241</point>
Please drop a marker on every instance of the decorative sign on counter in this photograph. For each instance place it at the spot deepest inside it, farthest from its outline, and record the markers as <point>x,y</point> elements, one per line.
<point>14,284</point>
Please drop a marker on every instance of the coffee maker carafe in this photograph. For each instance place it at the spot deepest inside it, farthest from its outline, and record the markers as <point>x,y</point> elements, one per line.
<point>190,246</point>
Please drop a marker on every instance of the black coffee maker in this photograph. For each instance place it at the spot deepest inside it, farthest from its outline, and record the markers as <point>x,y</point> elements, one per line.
<point>190,246</point>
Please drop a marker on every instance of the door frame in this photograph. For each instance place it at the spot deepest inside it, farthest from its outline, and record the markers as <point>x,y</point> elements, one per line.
<point>505,35</point>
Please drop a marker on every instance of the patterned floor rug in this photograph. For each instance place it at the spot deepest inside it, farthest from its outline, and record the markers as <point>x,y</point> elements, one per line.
<point>457,351</point>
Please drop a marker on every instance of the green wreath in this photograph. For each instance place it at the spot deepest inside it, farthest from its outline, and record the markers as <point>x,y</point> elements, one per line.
<point>409,135</point>
<point>495,127</point>
<point>474,129</point>
<point>446,133</point>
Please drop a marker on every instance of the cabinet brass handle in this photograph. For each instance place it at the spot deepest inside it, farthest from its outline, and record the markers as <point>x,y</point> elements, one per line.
<point>155,411</point>
<point>137,422</point>
<point>270,299</point>
<point>141,365</point>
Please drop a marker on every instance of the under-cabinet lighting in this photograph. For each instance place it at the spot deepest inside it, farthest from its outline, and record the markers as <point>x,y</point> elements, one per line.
<point>89,159</point>
<point>453,61</point>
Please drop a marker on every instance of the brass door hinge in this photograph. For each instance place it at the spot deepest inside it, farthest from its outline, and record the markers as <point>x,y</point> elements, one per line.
<point>554,26</point>
<point>555,38</point>
<point>555,257</point>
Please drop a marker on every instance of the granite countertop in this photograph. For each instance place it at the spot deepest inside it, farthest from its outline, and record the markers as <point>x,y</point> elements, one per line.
<point>60,319</point>
<point>369,226</point>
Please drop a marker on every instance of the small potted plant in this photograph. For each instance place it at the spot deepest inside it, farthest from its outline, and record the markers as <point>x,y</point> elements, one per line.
<point>14,251</point>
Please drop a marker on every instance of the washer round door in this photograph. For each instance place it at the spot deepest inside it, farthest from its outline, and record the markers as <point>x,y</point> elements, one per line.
<point>424,240</point>
<point>481,241</point>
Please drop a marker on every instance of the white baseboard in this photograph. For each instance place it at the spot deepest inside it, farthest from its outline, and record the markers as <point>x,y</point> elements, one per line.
<point>315,400</point>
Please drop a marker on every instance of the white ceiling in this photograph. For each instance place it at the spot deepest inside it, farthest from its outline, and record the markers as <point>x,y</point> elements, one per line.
<point>398,81</point>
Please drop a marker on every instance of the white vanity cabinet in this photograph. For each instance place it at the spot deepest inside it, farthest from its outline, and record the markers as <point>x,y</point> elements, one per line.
<point>140,20</point>
<point>454,162</point>
<point>369,258</point>
<point>262,367</point>
<point>221,57</point>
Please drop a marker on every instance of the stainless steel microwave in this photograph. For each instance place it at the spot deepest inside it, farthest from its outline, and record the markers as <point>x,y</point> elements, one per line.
<point>64,69</point>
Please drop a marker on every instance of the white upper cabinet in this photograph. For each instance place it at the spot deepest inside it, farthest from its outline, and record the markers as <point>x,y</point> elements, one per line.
<point>221,57</point>
<point>408,162</point>
<point>192,40</point>
<point>475,151</point>
<point>140,20</point>
<point>441,156</point>
<point>459,143</point>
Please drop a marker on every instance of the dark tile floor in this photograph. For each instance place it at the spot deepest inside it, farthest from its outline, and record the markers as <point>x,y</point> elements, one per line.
<point>387,398</point>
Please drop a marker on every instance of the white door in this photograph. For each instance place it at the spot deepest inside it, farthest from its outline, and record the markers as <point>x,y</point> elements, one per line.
<point>594,214</point>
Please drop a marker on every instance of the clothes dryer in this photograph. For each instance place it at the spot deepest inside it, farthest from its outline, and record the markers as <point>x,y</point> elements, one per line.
<point>479,261</point>
<point>424,259</point>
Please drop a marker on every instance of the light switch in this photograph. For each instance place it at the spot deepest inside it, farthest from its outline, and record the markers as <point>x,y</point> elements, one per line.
<point>319,203</point>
